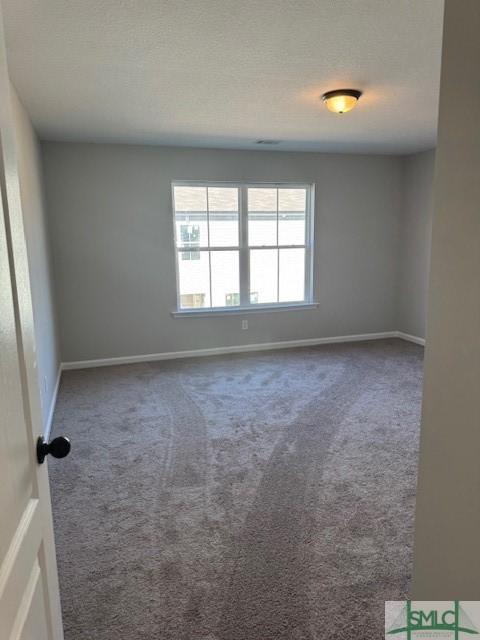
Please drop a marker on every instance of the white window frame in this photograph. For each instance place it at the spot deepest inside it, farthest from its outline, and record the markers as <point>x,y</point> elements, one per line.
<point>244,249</point>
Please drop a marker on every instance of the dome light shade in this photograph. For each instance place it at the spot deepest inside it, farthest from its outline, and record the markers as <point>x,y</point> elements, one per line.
<point>341,100</point>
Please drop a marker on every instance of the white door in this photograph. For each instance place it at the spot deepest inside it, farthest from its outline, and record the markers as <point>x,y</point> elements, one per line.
<point>29,599</point>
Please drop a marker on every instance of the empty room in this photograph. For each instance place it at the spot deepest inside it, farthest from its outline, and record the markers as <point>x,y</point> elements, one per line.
<point>240,346</point>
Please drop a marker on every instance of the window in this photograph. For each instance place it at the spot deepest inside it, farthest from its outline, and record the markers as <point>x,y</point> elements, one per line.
<point>190,235</point>
<point>243,246</point>
<point>192,300</point>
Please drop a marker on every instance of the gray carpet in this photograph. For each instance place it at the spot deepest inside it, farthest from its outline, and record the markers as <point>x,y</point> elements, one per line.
<point>265,496</point>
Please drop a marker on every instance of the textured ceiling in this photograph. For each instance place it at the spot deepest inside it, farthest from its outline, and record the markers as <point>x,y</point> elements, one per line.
<point>223,73</point>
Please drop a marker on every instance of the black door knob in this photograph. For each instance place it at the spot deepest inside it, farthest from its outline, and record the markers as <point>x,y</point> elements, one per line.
<point>58,448</point>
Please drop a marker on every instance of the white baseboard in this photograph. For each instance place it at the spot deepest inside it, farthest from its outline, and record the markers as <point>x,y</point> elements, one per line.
<point>410,338</point>
<point>53,402</point>
<point>215,351</point>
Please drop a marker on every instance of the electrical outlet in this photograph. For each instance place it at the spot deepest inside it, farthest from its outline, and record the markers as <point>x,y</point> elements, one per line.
<point>244,324</point>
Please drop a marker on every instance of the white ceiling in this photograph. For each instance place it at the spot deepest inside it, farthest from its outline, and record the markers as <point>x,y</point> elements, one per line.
<point>223,73</point>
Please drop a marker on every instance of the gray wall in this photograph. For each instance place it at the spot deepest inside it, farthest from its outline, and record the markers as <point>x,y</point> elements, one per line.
<point>415,242</point>
<point>447,558</point>
<point>112,238</point>
<point>35,225</point>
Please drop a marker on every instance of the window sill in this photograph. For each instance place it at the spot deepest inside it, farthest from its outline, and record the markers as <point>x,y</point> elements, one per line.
<point>203,313</point>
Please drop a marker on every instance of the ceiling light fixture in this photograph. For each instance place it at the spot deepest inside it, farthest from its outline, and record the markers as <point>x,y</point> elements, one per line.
<point>341,100</point>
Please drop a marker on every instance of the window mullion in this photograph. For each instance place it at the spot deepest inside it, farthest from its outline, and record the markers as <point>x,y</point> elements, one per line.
<point>309,249</point>
<point>244,251</point>
<point>209,253</point>
<point>278,258</point>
